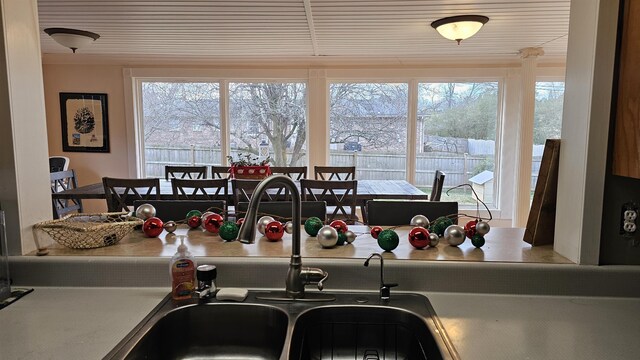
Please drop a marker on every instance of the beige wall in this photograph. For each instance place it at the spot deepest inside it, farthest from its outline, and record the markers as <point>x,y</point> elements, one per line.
<point>89,167</point>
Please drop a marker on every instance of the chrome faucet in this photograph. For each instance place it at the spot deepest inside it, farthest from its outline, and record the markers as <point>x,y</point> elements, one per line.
<point>297,276</point>
<point>385,288</point>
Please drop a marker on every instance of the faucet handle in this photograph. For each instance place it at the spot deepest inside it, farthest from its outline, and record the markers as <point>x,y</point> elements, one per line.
<point>310,275</point>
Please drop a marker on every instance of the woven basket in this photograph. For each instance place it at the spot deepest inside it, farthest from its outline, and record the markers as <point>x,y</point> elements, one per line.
<point>88,231</point>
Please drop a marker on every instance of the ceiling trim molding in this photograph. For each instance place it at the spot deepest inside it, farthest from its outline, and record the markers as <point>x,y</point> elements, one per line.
<point>312,29</point>
<point>292,62</point>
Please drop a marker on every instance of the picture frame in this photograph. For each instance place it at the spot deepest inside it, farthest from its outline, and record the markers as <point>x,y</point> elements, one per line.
<point>85,122</point>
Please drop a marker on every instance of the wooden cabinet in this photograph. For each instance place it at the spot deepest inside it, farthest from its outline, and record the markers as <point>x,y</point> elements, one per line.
<point>626,147</point>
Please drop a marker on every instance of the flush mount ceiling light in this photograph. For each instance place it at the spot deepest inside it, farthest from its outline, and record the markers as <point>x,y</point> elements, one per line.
<point>72,38</point>
<point>459,27</point>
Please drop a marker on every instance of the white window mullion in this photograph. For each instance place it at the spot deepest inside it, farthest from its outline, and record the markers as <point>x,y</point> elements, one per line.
<point>224,122</point>
<point>412,130</point>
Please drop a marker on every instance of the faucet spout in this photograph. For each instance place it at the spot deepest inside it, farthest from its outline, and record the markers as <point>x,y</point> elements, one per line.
<point>297,278</point>
<point>385,288</point>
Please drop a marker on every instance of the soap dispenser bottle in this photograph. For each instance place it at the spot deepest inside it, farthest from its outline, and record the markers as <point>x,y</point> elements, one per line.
<point>183,269</point>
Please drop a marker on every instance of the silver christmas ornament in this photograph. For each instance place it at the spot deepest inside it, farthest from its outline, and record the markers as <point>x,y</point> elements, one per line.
<point>351,236</point>
<point>145,211</point>
<point>420,220</point>
<point>288,227</point>
<point>482,228</point>
<point>327,236</point>
<point>263,222</point>
<point>170,226</point>
<point>434,239</point>
<point>454,234</point>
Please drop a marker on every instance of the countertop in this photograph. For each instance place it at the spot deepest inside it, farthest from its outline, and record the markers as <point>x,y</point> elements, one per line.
<point>86,323</point>
<point>502,244</point>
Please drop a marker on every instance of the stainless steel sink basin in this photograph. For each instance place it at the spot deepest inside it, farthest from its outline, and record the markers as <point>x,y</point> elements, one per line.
<point>362,332</point>
<point>353,326</point>
<point>209,331</point>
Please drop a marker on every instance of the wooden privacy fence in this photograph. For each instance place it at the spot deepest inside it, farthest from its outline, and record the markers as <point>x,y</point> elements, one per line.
<point>373,166</point>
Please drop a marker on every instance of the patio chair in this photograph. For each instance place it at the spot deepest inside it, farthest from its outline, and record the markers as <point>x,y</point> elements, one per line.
<point>60,181</point>
<point>294,172</point>
<point>121,193</point>
<point>200,189</point>
<point>339,195</point>
<point>185,172</point>
<point>340,173</point>
<point>219,172</point>
<point>242,189</point>
<point>436,189</point>
<point>400,212</point>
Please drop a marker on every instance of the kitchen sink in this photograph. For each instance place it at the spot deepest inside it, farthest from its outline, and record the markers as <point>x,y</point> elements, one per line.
<point>352,326</point>
<point>362,332</point>
<point>208,331</point>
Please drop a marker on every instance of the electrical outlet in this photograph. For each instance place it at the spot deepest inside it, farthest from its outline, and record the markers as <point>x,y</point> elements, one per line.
<point>628,224</point>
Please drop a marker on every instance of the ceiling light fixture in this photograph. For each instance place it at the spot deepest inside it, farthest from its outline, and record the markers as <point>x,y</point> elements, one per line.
<point>459,27</point>
<point>72,38</point>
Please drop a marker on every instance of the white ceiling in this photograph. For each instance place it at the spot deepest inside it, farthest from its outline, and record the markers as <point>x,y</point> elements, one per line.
<point>306,28</point>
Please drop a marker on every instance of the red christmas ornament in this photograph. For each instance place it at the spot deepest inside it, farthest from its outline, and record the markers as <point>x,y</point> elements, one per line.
<point>152,227</point>
<point>240,221</point>
<point>339,225</point>
<point>194,221</point>
<point>274,231</point>
<point>212,223</point>
<point>375,231</point>
<point>470,228</point>
<point>419,237</point>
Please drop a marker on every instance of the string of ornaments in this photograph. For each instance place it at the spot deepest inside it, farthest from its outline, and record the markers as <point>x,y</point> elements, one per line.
<point>429,234</point>
<point>424,233</point>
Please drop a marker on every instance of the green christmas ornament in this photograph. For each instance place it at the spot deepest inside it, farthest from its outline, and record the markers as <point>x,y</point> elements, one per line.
<point>229,231</point>
<point>440,224</point>
<point>313,225</point>
<point>388,240</point>
<point>477,240</point>
<point>193,213</point>
<point>342,238</point>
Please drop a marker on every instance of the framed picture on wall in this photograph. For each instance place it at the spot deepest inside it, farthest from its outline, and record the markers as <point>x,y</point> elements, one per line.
<point>85,122</point>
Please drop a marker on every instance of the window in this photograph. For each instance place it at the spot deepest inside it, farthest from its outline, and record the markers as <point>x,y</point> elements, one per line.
<point>457,134</point>
<point>368,128</point>
<point>181,125</point>
<point>547,121</point>
<point>269,116</point>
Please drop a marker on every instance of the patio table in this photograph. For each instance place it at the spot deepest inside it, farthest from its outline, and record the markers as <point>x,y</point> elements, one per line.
<point>367,190</point>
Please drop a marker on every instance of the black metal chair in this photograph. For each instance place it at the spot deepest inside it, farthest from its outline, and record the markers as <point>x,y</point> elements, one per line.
<point>219,172</point>
<point>200,189</point>
<point>438,183</point>
<point>340,197</point>
<point>121,193</point>
<point>185,172</point>
<point>400,212</point>
<point>340,173</point>
<point>294,172</point>
<point>60,181</point>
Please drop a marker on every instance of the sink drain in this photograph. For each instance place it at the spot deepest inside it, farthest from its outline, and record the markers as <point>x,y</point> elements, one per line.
<point>362,300</point>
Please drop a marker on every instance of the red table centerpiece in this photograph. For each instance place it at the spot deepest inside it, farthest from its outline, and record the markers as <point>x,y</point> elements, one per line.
<point>249,167</point>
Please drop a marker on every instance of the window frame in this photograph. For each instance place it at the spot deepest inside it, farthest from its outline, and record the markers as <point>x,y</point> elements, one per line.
<point>317,98</point>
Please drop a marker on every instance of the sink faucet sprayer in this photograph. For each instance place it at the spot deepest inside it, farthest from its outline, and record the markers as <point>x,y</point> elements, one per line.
<point>297,276</point>
<point>385,289</point>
